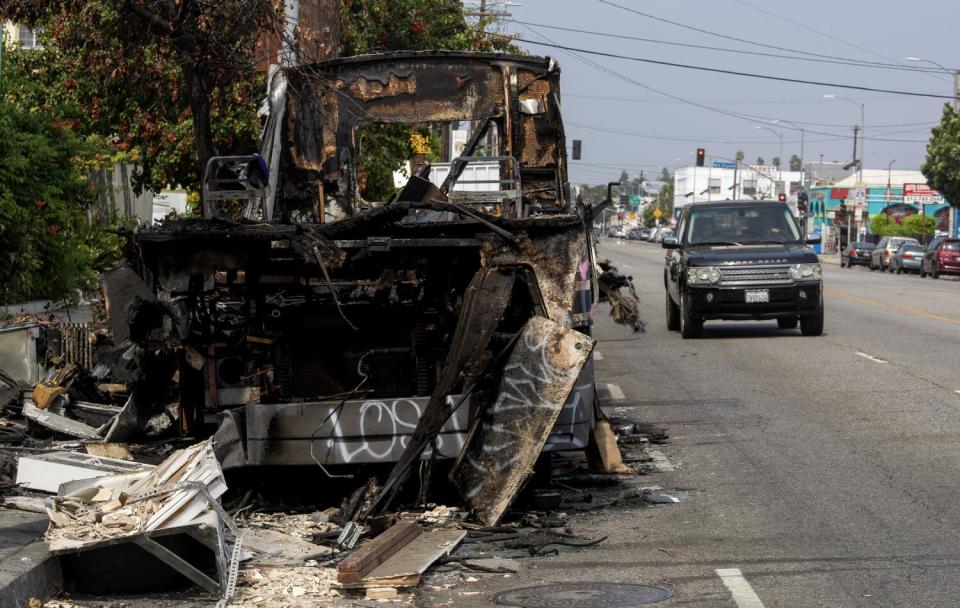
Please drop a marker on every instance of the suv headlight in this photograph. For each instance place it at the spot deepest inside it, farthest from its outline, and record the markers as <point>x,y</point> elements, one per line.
<point>806,272</point>
<point>703,275</point>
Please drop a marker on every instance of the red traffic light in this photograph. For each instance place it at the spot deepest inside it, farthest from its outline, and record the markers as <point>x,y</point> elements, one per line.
<point>701,153</point>
<point>782,198</point>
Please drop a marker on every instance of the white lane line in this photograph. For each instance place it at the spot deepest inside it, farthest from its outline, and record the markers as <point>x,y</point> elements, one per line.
<point>626,266</point>
<point>743,594</point>
<point>598,356</point>
<point>616,393</point>
<point>957,392</point>
<point>660,461</point>
<point>871,357</point>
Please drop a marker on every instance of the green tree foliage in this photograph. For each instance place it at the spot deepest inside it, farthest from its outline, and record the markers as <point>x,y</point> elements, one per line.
<point>373,26</point>
<point>776,161</point>
<point>739,157</point>
<point>884,225</point>
<point>169,83</point>
<point>593,195</point>
<point>919,226</point>
<point>760,161</point>
<point>942,166</point>
<point>795,163</point>
<point>47,247</point>
<point>916,226</point>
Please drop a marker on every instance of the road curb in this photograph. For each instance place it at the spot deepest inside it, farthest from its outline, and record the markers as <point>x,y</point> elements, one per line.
<point>27,570</point>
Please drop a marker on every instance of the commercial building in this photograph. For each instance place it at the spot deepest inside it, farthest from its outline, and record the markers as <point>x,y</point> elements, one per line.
<point>732,181</point>
<point>846,206</point>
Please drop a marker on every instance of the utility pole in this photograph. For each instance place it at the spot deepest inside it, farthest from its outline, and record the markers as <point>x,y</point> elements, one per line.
<point>318,30</point>
<point>856,132</point>
<point>956,91</point>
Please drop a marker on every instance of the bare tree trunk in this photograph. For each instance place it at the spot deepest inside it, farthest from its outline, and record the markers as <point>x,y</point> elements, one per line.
<point>200,109</point>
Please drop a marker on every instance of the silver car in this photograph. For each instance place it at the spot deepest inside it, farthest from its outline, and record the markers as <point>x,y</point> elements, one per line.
<point>886,248</point>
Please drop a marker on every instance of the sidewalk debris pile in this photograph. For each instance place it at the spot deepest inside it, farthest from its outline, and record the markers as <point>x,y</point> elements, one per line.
<point>147,529</point>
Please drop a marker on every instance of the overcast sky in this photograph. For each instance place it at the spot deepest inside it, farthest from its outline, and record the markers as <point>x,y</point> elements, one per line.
<point>609,114</point>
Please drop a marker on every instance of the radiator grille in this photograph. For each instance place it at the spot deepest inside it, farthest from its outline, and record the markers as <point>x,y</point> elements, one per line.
<point>755,275</point>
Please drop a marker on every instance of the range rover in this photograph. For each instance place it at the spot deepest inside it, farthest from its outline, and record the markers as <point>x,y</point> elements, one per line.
<point>741,260</point>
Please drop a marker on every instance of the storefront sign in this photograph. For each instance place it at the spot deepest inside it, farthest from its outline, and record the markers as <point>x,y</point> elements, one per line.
<point>921,194</point>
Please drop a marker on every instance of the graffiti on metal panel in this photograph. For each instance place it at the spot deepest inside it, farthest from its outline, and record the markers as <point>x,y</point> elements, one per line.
<point>379,430</point>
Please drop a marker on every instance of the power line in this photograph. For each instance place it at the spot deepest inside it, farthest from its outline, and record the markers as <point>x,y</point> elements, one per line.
<point>818,124</point>
<point>744,74</point>
<point>848,62</point>
<point>745,117</point>
<point>824,34</point>
<point>724,36</point>
<point>712,140</point>
<point>754,101</point>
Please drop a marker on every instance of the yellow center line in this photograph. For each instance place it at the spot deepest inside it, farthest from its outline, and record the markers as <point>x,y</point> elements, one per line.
<point>897,307</point>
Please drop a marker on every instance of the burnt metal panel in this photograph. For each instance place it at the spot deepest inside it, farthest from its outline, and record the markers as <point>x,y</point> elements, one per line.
<point>507,437</point>
<point>329,101</point>
<point>359,431</point>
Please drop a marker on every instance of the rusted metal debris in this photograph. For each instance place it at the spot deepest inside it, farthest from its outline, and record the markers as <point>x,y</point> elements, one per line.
<point>508,435</point>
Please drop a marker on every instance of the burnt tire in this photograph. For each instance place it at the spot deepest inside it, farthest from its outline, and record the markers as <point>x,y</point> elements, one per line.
<point>789,323</point>
<point>691,326</point>
<point>673,314</point>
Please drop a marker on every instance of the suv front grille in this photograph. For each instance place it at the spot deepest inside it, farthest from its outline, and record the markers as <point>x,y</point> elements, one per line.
<point>755,275</point>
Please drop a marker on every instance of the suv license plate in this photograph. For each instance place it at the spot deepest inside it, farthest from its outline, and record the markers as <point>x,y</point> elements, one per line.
<point>758,296</point>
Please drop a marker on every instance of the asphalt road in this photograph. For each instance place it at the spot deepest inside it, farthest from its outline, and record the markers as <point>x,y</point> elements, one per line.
<point>824,469</point>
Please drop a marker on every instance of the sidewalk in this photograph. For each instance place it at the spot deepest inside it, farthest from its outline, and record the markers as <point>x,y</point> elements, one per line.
<point>26,569</point>
<point>830,258</point>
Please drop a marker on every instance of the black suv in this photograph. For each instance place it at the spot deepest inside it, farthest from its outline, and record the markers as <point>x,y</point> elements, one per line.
<point>741,260</point>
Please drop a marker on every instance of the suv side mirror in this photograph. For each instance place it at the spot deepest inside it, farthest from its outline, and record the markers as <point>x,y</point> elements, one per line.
<point>813,240</point>
<point>670,243</point>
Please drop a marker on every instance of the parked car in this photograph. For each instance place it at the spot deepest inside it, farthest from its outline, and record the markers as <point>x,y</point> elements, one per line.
<point>941,257</point>
<point>856,253</point>
<point>741,260</point>
<point>907,259</point>
<point>645,233</point>
<point>663,232</point>
<point>633,234</point>
<point>888,245</point>
<point>620,233</point>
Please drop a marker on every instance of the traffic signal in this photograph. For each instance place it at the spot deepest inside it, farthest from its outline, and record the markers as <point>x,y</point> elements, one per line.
<point>802,202</point>
<point>577,145</point>
<point>782,198</point>
<point>701,156</point>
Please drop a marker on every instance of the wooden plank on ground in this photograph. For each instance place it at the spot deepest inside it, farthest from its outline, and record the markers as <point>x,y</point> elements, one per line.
<point>371,554</point>
<point>405,567</point>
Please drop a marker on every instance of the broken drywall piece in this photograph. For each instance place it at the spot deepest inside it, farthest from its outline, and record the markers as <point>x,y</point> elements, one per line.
<point>47,472</point>
<point>178,497</point>
<point>58,423</point>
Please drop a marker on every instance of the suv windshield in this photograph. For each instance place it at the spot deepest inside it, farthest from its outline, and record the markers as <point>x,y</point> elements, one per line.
<point>951,246</point>
<point>741,225</point>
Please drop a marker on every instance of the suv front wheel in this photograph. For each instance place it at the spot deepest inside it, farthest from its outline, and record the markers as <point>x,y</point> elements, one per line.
<point>812,325</point>
<point>690,325</point>
<point>673,314</point>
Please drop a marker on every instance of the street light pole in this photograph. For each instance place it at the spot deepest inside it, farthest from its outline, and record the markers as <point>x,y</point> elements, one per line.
<point>956,78</point>
<point>803,173</point>
<point>862,133</point>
